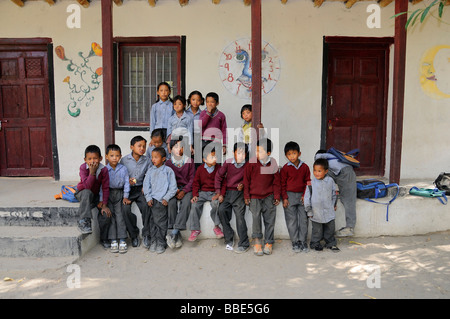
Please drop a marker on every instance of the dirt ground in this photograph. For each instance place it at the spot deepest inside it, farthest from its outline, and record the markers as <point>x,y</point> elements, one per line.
<point>365,268</point>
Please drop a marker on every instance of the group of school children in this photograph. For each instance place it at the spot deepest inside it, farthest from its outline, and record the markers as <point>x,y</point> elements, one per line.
<point>169,187</point>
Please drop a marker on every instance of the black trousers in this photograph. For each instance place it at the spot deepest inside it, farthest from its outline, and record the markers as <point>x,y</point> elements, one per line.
<point>323,231</point>
<point>136,196</point>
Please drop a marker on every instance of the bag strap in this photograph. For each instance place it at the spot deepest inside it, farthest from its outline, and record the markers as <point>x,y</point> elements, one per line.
<point>390,201</point>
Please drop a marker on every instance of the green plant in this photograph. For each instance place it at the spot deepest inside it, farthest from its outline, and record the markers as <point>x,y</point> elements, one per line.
<point>423,12</point>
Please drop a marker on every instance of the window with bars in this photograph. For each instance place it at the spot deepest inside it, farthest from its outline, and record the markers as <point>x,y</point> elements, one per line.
<point>142,66</point>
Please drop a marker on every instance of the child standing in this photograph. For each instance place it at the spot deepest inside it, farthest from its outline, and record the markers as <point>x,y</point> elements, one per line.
<point>194,101</point>
<point>245,133</point>
<point>159,187</point>
<point>320,204</point>
<point>162,110</point>
<point>262,193</point>
<point>137,164</point>
<point>119,190</point>
<point>157,139</point>
<point>184,169</point>
<point>94,175</point>
<point>203,190</point>
<point>295,175</point>
<point>345,178</point>
<point>213,122</point>
<point>181,123</point>
<point>231,174</point>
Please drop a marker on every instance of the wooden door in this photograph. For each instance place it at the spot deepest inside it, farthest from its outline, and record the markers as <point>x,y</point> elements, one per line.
<point>357,101</point>
<point>25,135</point>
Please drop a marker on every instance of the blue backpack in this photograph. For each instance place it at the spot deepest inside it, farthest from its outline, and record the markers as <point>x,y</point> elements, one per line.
<point>347,158</point>
<point>372,188</point>
<point>67,193</point>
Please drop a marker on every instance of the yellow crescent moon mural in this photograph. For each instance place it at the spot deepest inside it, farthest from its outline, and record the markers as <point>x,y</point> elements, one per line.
<point>427,73</point>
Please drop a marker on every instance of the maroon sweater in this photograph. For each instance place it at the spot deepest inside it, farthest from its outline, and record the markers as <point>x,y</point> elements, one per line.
<point>184,174</point>
<point>204,181</point>
<point>93,183</point>
<point>293,179</point>
<point>258,183</point>
<point>229,176</point>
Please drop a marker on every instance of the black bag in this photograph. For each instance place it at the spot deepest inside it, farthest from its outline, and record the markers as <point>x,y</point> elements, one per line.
<point>373,188</point>
<point>442,182</point>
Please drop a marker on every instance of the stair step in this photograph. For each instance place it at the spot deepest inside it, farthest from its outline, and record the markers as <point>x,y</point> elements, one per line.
<point>38,216</point>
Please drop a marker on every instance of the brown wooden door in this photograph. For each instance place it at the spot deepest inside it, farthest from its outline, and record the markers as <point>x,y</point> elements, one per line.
<point>356,102</point>
<point>25,135</point>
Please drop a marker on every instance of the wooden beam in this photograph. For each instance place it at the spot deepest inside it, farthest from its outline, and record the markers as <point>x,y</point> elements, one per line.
<point>350,3</point>
<point>256,63</point>
<point>318,3</point>
<point>118,2</point>
<point>216,1</point>
<point>247,2</point>
<point>284,1</point>
<point>84,3</point>
<point>108,71</point>
<point>398,95</point>
<point>152,3</point>
<point>50,2</point>
<point>18,2</point>
<point>183,2</point>
<point>415,1</point>
<point>384,3</point>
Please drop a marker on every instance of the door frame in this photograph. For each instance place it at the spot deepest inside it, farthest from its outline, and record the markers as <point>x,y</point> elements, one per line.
<point>386,42</point>
<point>43,44</point>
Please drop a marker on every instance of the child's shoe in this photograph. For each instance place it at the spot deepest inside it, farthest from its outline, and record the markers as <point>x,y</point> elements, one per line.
<point>106,244</point>
<point>170,239</point>
<point>268,249</point>
<point>114,246</point>
<point>178,241</point>
<point>303,247</point>
<point>218,232</point>
<point>344,232</point>
<point>229,246</point>
<point>160,249</point>
<point>123,247</point>
<point>152,247</point>
<point>257,248</point>
<point>241,249</point>
<point>296,247</point>
<point>194,235</point>
<point>84,225</point>
<point>334,249</point>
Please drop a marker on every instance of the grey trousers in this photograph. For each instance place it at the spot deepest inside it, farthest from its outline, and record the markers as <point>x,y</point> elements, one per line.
<point>197,209</point>
<point>118,227</point>
<point>346,181</point>
<point>160,219</point>
<point>323,231</point>
<point>265,209</point>
<point>296,218</point>
<point>138,197</point>
<point>88,201</point>
<point>234,201</point>
<point>178,216</point>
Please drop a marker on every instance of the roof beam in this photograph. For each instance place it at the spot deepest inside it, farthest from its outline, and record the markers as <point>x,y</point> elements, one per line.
<point>350,3</point>
<point>216,1</point>
<point>50,2</point>
<point>118,2</point>
<point>18,2</point>
<point>183,2</point>
<point>247,2</point>
<point>84,3</point>
<point>152,3</point>
<point>318,3</point>
<point>384,3</point>
<point>284,1</point>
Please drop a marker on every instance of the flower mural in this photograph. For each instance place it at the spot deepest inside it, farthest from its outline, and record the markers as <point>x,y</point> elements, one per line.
<point>85,79</point>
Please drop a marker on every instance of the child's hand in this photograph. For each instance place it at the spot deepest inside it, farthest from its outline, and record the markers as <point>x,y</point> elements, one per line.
<point>180,194</point>
<point>276,202</point>
<point>194,199</point>
<point>106,210</point>
<point>164,202</point>
<point>240,187</point>
<point>220,198</point>
<point>260,125</point>
<point>335,207</point>
<point>132,181</point>
<point>93,168</point>
<point>215,197</point>
<point>150,203</point>
<point>126,201</point>
<point>224,150</point>
<point>247,201</point>
<point>285,203</point>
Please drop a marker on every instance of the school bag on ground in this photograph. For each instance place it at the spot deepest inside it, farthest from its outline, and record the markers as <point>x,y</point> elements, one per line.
<point>442,182</point>
<point>370,189</point>
<point>429,192</point>
<point>67,193</point>
<point>347,158</point>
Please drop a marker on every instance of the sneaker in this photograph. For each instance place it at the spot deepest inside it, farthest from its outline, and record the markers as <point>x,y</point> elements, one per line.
<point>241,250</point>
<point>344,232</point>
<point>318,248</point>
<point>257,250</point>
<point>296,247</point>
<point>146,242</point>
<point>303,247</point>
<point>194,235</point>
<point>114,246</point>
<point>170,239</point>
<point>218,232</point>
<point>268,249</point>
<point>123,247</point>
<point>106,244</point>
<point>84,225</point>
<point>229,246</point>
<point>334,249</point>
<point>152,247</point>
<point>178,241</point>
<point>135,242</point>
<point>160,249</point>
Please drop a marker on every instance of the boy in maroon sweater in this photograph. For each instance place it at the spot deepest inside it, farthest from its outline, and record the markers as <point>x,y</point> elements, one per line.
<point>262,194</point>
<point>203,190</point>
<point>231,198</point>
<point>184,168</point>
<point>295,176</point>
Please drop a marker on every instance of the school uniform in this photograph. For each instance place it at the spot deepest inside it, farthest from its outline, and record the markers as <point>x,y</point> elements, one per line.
<point>262,187</point>
<point>160,113</point>
<point>184,170</point>
<point>150,149</point>
<point>181,126</point>
<point>137,170</point>
<point>320,207</point>
<point>214,126</point>
<point>197,135</point>
<point>231,174</point>
<point>294,180</point>
<point>159,184</point>
<point>344,176</point>
<point>119,188</point>
<point>203,188</point>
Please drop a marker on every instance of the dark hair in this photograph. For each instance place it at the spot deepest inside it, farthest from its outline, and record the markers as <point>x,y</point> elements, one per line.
<point>166,84</point>
<point>240,145</point>
<point>266,144</point>
<point>211,149</point>
<point>179,98</point>
<point>195,93</point>
<point>175,140</point>
<point>136,139</point>
<point>158,132</point>
<point>246,107</point>
<point>113,147</point>
<point>214,95</point>
<point>321,152</point>
<point>291,146</point>
<point>321,162</point>
<point>93,149</point>
<point>160,150</point>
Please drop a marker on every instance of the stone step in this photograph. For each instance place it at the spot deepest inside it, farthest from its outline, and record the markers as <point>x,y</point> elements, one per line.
<point>46,241</point>
<point>38,216</point>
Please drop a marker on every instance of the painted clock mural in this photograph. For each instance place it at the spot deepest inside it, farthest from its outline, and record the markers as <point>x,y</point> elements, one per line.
<point>235,68</point>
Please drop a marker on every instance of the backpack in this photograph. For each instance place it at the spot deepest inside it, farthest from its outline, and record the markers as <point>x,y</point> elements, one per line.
<point>442,182</point>
<point>347,158</point>
<point>67,193</point>
<point>427,192</point>
<point>373,188</point>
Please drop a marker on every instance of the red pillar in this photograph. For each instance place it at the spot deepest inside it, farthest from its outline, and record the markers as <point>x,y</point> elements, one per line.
<point>256,62</point>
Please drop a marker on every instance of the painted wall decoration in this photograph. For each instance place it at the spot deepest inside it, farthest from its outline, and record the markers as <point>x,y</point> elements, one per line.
<point>84,78</point>
<point>435,72</point>
<point>235,68</point>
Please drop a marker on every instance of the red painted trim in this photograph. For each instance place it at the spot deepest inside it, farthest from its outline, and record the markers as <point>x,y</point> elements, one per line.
<point>256,62</point>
